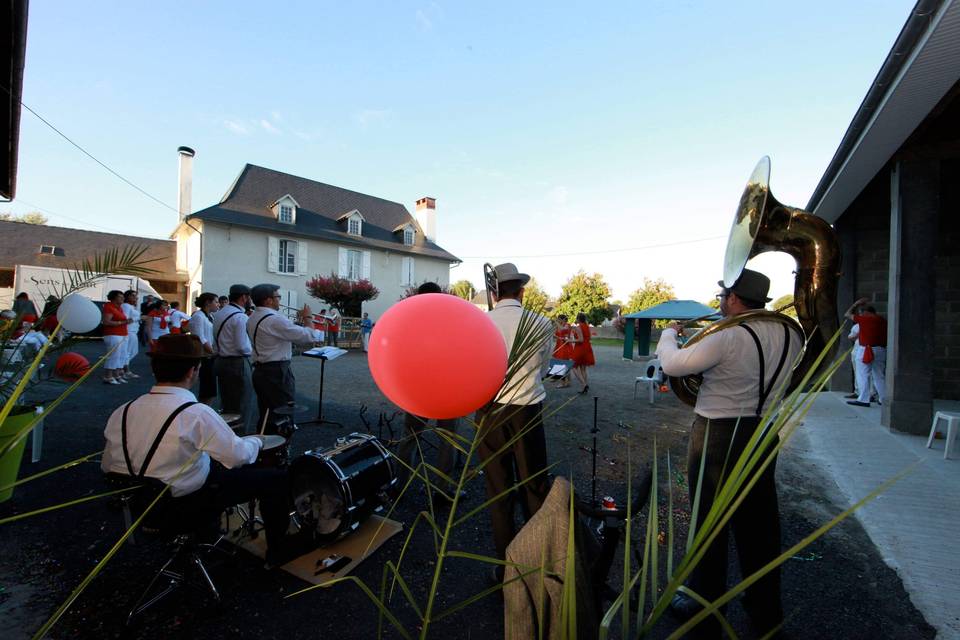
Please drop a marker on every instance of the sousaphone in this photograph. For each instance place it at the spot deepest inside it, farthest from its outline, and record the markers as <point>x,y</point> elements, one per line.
<point>763,224</point>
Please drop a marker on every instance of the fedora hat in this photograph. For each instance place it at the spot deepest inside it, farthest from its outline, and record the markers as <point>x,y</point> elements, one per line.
<point>183,346</point>
<point>751,285</point>
<point>508,271</point>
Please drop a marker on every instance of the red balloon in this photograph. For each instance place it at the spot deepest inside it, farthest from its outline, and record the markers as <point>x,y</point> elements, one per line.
<point>437,356</point>
<point>71,366</point>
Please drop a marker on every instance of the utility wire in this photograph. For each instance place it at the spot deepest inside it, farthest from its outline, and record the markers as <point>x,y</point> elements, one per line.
<point>590,253</point>
<point>87,153</point>
<point>60,215</point>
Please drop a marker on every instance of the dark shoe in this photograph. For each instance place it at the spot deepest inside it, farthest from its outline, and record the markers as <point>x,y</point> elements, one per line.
<point>857,403</point>
<point>585,389</point>
<point>852,396</point>
<point>683,607</point>
<point>496,574</point>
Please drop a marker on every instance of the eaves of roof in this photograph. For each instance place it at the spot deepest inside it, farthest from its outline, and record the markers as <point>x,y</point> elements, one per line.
<point>920,69</point>
<point>317,227</point>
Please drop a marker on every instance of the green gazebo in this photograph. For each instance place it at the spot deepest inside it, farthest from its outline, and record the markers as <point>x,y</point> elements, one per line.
<point>641,322</point>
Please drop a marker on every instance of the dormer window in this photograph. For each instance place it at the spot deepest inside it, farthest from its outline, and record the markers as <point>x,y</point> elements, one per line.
<point>51,250</point>
<point>353,221</point>
<point>408,236</point>
<point>285,209</point>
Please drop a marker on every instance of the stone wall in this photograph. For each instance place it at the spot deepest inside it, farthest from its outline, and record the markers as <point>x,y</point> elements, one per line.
<point>946,360</point>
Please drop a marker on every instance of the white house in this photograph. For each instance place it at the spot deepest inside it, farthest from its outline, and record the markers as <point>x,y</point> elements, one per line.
<point>275,227</point>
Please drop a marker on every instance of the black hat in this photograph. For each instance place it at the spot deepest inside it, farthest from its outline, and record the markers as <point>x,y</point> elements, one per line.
<point>508,271</point>
<point>751,285</point>
<point>178,346</point>
<point>239,290</point>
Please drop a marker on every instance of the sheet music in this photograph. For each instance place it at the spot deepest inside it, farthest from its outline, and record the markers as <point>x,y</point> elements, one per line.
<point>329,353</point>
<point>558,370</point>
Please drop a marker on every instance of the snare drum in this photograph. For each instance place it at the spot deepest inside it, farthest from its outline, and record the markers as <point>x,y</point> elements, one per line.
<point>336,489</point>
<point>274,452</point>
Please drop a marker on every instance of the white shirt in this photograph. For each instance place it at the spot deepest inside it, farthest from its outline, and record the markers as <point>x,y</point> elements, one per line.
<point>132,312</point>
<point>526,386</point>
<point>275,334</point>
<point>156,328</point>
<point>201,327</point>
<point>197,428</point>
<point>177,317</point>
<point>730,366</point>
<point>232,339</point>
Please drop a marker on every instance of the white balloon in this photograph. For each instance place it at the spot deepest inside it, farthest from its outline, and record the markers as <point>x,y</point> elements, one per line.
<point>78,314</point>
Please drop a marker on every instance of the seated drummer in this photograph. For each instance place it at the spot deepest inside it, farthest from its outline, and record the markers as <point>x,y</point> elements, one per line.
<point>171,437</point>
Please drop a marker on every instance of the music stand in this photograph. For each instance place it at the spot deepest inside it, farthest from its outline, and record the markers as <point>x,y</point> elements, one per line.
<point>323,354</point>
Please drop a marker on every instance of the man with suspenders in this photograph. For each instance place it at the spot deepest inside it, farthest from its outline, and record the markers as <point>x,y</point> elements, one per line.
<point>271,335</point>
<point>169,436</point>
<point>232,348</point>
<point>744,368</point>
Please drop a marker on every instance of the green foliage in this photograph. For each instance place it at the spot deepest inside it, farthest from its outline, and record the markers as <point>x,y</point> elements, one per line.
<point>783,301</point>
<point>713,303</point>
<point>463,289</point>
<point>534,297</point>
<point>33,217</point>
<point>586,294</point>
<point>652,293</point>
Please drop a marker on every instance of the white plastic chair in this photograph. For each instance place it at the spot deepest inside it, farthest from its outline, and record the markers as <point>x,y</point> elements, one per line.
<point>652,377</point>
<point>953,420</point>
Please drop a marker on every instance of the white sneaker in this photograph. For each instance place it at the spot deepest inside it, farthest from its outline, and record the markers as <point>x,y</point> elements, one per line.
<point>119,381</point>
<point>131,374</point>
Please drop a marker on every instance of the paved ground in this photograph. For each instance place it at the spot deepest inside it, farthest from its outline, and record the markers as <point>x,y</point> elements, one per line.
<point>839,587</point>
<point>912,523</point>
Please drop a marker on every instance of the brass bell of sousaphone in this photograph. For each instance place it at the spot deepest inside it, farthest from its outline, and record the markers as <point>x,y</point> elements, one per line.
<point>762,224</point>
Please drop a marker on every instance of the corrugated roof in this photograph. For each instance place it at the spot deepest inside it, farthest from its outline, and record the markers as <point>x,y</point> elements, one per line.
<point>675,310</point>
<point>249,200</point>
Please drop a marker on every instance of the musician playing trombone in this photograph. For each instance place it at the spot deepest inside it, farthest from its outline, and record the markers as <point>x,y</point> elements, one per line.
<point>745,369</point>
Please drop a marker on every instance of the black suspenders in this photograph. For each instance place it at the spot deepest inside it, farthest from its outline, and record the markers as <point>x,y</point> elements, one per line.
<point>257,328</point>
<point>764,388</point>
<point>216,339</point>
<point>156,442</point>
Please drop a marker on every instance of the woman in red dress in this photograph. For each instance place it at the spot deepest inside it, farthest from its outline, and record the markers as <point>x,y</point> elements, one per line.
<point>114,324</point>
<point>563,349</point>
<point>582,351</point>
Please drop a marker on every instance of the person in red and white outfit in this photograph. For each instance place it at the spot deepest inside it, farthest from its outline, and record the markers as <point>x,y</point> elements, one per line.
<point>131,309</point>
<point>871,366</point>
<point>159,322</point>
<point>178,319</point>
<point>114,324</point>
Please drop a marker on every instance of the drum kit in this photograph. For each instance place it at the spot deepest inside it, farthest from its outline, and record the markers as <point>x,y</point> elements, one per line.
<point>333,490</point>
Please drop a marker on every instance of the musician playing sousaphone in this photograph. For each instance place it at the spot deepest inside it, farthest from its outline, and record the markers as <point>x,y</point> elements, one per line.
<point>743,368</point>
<point>167,435</point>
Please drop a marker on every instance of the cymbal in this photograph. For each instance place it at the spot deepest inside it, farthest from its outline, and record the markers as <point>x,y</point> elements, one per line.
<point>289,410</point>
<point>231,418</point>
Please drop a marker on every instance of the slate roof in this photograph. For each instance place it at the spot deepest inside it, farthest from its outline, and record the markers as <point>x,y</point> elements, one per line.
<point>20,244</point>
<point>249,200</point>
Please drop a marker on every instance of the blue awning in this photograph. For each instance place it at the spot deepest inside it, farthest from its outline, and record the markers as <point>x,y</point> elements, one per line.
<point>676,310</point>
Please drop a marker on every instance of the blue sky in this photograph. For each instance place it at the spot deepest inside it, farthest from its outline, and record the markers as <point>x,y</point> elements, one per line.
<point>541,128</point>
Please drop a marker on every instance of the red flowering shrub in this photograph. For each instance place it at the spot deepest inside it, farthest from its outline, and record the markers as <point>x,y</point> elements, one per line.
<point>344,295</point>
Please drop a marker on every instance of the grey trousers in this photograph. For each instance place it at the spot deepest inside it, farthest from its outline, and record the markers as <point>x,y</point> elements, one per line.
<point>233,379</point>
<point>275,387</point>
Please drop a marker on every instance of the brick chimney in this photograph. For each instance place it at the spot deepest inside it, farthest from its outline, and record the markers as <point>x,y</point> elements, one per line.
<point>427,217</point>
<point>185,194</point>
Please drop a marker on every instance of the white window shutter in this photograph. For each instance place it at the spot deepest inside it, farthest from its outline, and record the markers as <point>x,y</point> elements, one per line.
<point>344,268</point>
<point>292,299</point>
<point>302,258</point>
<point>273,254</point>
<point>365,273</point>
<point>413,278</point>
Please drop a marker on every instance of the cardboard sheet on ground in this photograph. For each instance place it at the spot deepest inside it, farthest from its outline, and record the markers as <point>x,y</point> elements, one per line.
<point>352,546</point>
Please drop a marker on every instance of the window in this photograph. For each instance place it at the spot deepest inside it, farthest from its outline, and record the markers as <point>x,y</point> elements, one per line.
<point>408,236</point>
<point>51,250</point>
<point>353,226</point>
<point>288,256</point>
<point>286,213</point>
<point>406,272</point>
<point>354,264</point>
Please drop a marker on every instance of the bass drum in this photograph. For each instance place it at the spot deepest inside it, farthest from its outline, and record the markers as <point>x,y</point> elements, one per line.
<point>336,489</point>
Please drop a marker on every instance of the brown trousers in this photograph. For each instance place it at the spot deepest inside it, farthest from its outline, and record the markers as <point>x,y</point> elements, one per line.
<point>524,458</point>
<point>755,524</point>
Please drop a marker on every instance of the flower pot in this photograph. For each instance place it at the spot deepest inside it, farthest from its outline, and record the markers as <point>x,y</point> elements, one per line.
<point>10,462</point>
